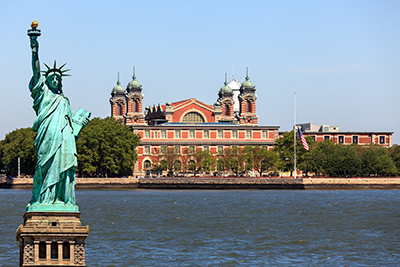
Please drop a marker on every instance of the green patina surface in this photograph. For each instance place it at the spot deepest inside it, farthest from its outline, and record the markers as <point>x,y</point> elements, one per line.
<point>57,131</point>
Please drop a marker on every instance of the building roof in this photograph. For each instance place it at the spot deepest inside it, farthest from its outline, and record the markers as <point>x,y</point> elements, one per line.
<point>235,85</point>
<point>338,133</point>
<point>205,125</point>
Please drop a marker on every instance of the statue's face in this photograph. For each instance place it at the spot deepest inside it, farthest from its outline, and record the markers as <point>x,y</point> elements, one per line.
<point>54,82</point>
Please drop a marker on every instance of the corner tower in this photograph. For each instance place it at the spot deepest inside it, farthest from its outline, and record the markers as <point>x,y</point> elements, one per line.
<point>226,102</point>
<point>247,99</point>
<point>118,102</point>
<point>134,98</point>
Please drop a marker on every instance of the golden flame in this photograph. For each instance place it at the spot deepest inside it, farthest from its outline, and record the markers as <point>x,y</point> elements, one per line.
<point>34,24</point>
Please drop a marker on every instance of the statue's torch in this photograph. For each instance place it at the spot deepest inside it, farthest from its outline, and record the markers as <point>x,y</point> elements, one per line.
<point>34,31</point>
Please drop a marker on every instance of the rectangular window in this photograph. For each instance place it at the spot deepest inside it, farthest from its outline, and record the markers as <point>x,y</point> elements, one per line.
<point>220,134</point>
<point>341,139</point>
<point>163,134</point>
<point>382,140</point>
<point>54,250</point>
<point>234,134</point>
<point>206,148</point>
<point>248,134</point>
<point>66,251</point>
<point>264,135</point>
<point>191,134</point>
<point>220,149</point>
<point>206,134</point>
<point>177,133</point>
<point>147,134</point>
<point>355,139</point>
<point>155,135</point>
<point>313,137</point>
<point>177,149</point>
<point>42,250</point>
<point>327,137</point>
<point>147,150</point>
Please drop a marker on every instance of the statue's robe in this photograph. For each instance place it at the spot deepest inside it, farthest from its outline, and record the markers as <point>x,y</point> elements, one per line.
<point>54,179</point>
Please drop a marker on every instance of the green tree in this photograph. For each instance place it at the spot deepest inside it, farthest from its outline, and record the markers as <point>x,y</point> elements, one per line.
<point>394,152</point>
<point>263,159</point>
<point>377,161</point>
<point>106,147</point>
<point>249,158</point>
<point>313,161</point>
<point>166,159</point>
<point>198,160</point>
<point>18,144</point>
<point>285,149</point>
<point>208,161</point>
<point>233,159</point>
<point>339,160</point>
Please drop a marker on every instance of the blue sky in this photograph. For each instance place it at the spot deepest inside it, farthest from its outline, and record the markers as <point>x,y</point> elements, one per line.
<point>340,57</point>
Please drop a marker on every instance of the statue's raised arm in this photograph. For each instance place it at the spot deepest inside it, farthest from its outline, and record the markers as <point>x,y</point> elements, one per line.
<point>34,33</point>
<point>35,58</point>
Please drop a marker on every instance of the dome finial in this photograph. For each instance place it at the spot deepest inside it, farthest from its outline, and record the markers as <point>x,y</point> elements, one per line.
<point>247,74</point>
<point>226,82</point>
<point>118,83</point>
<point>134,76</point>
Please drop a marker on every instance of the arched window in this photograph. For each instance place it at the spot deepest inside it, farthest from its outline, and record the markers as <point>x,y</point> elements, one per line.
<point>146,164</point>
<point>120,110</point>
<point>248,108</point>
<point>220,165</point>
<point>227,110</point>
<point>177,166</point>
<point>134,106</point>
<point>193,118</point>
<point>191,166</point>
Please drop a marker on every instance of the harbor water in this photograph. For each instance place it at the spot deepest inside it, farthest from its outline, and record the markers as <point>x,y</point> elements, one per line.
<point>226,227</point>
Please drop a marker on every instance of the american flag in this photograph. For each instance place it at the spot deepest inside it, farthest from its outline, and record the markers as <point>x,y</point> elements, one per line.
<point>302,139</point>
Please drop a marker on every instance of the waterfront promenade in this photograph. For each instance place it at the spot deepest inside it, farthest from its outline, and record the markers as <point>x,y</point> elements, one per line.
<point>222,183</point>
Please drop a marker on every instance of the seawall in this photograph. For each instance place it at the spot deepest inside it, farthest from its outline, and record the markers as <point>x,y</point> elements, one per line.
<point>351,183</point>
<point>222,183</point>
<point>81,183</point>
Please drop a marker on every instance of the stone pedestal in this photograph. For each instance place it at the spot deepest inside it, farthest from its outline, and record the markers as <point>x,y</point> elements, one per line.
<point>52,239</point>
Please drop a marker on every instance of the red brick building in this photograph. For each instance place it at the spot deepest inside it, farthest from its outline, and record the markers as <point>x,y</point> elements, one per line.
<point>231,121</point>
<point>323,132</point>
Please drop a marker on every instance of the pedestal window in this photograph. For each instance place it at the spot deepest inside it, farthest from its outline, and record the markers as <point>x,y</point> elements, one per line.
<point>42,250</point>
<point>66,250</point>
<point>54,250</point>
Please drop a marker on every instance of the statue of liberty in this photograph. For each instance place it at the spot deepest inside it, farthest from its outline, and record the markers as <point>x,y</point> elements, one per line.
<point>57,130</point>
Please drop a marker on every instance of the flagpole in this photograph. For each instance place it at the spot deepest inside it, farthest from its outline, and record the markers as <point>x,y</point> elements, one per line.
<point>294,135</point>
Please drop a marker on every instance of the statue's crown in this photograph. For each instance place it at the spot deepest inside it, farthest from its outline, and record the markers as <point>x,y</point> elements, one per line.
<point>55,69</point>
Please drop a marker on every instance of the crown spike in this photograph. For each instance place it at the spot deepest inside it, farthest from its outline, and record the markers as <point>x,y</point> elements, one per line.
<point>134,76</point>
<point>247,73</point>
<point>62,66</point>
<point>226,82</point>
<point>55,69</point>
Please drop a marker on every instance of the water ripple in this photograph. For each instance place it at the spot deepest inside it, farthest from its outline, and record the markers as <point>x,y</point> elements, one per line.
<point>226,228</point>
